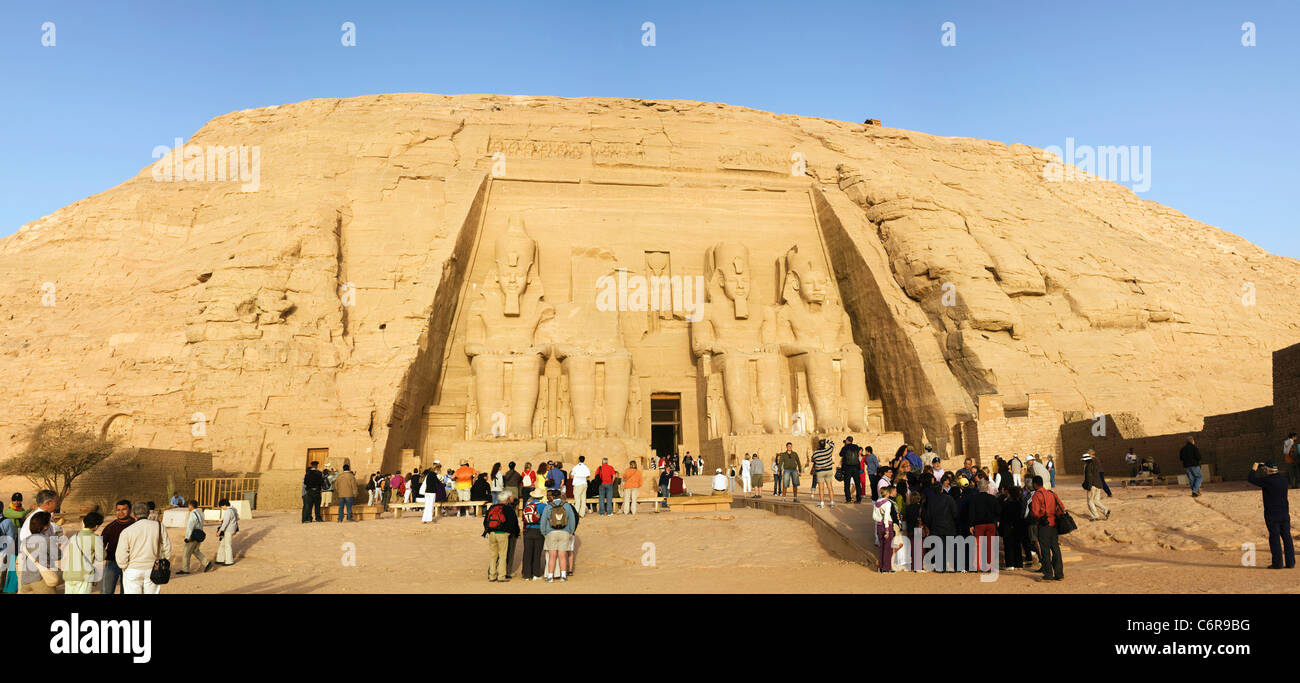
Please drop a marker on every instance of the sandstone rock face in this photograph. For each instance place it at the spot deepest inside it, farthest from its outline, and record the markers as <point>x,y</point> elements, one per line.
<point>313,310</point>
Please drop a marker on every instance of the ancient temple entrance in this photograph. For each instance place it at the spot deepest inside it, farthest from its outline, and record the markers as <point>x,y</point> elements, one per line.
<point>665,423</point>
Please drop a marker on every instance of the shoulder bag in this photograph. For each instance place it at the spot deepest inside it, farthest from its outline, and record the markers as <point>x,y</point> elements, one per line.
<point>162,567</point>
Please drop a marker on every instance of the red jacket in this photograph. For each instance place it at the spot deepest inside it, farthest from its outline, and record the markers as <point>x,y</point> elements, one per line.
<point>1047,504</point>
<point>606,473</point>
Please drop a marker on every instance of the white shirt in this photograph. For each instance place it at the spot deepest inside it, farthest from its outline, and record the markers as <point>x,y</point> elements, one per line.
<point>744,467</point>
<point>719,482</point>
<point>52,530</point>
<point>580,474</point>
<point>1130,458</point>
<point>1286,446</point>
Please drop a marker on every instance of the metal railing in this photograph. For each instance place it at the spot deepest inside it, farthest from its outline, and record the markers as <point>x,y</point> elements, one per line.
<point>209,491</point>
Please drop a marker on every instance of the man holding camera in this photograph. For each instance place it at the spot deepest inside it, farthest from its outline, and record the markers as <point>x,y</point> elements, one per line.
<point>1277,513</point>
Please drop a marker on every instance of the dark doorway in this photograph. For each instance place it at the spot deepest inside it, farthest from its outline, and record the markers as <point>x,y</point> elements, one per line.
<point>665,423</point>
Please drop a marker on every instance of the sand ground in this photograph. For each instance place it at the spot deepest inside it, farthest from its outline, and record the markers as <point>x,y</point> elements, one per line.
<point>1157,541</point>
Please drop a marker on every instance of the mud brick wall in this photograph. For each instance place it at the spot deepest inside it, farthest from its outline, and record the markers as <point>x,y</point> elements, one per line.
<point>1286,393</point>
<point>997,434</point>
<point>138,474</point>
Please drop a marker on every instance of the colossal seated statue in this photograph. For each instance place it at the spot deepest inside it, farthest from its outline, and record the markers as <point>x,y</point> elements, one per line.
<point>588,342</point>
<point>814,332</point>
<point>502,339</point>
<point>736,338</point>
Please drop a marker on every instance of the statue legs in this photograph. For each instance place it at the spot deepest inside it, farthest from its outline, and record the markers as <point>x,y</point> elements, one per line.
<point>618,389</point>
<point>523,394</point>
<point>823,391</point>
<point>769,392</point>
<point>853,376</point>
<point>735,389</point>
<point>581,371</point>
<point>489,375</point>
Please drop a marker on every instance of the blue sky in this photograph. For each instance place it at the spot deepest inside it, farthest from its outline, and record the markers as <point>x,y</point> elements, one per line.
<point>1219,117</point>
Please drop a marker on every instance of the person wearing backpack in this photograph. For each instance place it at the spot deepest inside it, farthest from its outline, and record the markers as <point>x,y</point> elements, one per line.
<point>85,552</point>
<point>558,524</point>
<point>499,526</point>
<point>534,510</point>
<point>194,536</point>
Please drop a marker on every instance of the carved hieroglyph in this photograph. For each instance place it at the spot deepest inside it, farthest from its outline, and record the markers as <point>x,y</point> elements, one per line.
<point>505,354</point>
<point>739,339</point>
<point>814,332</point>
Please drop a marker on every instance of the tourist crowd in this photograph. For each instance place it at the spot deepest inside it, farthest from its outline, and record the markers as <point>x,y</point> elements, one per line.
<point>130,554</point>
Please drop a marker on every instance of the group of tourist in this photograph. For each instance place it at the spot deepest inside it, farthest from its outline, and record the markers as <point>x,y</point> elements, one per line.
<point>124,555</point>
<point>688,464</point>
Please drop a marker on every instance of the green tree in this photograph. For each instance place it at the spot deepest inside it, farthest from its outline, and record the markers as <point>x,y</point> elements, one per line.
<point>58,451</point>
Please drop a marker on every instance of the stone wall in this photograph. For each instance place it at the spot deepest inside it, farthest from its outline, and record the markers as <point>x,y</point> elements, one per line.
<point>139,474</point>
<point>1229,441</point>
<point>998,431</point>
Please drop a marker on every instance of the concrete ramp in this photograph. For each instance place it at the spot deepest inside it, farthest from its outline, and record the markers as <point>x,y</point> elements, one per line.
<point>845,531</point>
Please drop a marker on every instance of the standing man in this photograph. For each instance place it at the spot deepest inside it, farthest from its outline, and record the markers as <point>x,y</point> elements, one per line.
<point>345,487</point>
<point>1190,456</point>
<point>1277,513</point>
<point>631,488</point>
<point>138,547</point>
<point>756,475</point>
<point>851,466</point>
<point>605,476</point>
<point>464,482</point>
<point>192,543</point>
<point>1016,468</point>
<point>1092,483</point>
<point>500,526</point>
<point>312,484</point>
<point>1292,462</point>
<point>580,474</point>
<point>559,522</point>
<point>1043,509</point>
<point>226,533</point>
<point>46,501</point>
<point>1131,459</point>
<point>111,534</point>
<point>513,482</point>
<point>534,509</point>
<point>665,478</point>
<point>790,468</point>
<point>871,470</point>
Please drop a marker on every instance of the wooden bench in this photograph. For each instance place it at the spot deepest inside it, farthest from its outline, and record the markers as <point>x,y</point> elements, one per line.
<point>593,504</point>
<point>330,513</point>
<point>698,503</point>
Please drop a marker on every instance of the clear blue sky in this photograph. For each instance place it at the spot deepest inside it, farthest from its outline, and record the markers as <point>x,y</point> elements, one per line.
<point>1220,118</point>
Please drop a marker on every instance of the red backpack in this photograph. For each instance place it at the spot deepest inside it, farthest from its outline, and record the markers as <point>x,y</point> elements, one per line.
<point>531,515</point>
<point>496,518</point>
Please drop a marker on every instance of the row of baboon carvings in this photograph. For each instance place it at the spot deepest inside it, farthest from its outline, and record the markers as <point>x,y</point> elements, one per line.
<point>742,349</point>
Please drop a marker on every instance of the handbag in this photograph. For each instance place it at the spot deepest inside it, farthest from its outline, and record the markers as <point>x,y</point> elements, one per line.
<point>162,567</point>
<point>49,576</point>
<point>839,474</point>
<point>1064,522</point>
<point>198,535</point>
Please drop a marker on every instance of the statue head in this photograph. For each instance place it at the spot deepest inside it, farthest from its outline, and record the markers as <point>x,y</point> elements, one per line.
<point>516,253</point>
<point>729,265</point>
<point>801,275</point>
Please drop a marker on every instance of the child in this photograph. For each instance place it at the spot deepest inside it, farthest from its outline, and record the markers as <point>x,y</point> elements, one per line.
<point>884,515</point>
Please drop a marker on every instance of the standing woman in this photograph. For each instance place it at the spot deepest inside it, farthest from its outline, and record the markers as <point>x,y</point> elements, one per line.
<point>226,533</point>
<point>498,482</point>
<point>527,482</point>
<point>39,552</point>
<point>434,491</point>
<point>370,490</point>
<point>1051,470</point>
<point>884,515</point>
<point>745,486</point>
